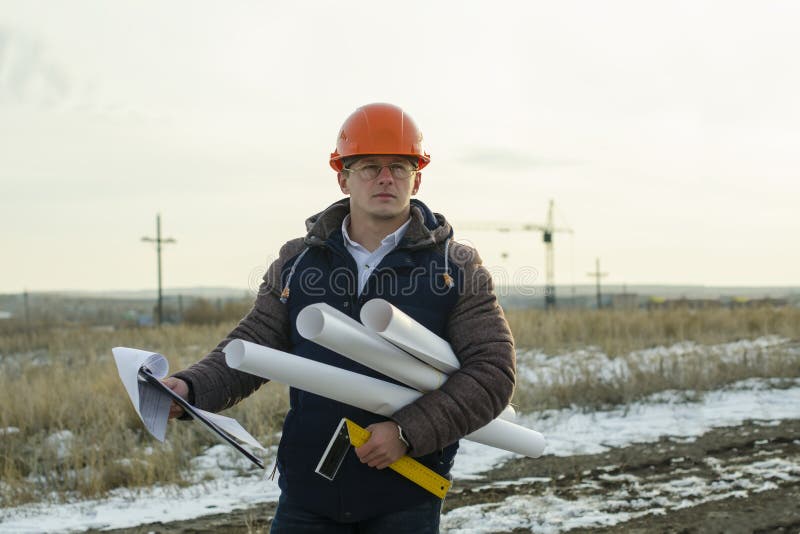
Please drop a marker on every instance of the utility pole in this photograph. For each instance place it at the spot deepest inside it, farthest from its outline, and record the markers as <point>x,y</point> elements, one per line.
<point>597,275</point>
<point>28,330</point>
<point>159,241</point>
<point>26,308</point>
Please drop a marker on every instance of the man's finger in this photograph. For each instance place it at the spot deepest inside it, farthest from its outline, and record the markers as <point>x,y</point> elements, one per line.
<point>364,451</point>
<point>181,388</point>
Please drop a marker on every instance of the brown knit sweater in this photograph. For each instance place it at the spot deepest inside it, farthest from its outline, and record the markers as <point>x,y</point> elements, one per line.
<point>477,329</point>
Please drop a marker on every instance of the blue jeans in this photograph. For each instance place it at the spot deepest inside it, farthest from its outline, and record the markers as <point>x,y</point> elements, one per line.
<point>420,519</point>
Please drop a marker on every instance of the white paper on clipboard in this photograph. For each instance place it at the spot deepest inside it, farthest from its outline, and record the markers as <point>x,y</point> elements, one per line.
<point>141,372</point>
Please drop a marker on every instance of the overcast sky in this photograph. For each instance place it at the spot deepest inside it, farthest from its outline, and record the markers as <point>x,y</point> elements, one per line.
<point>666,132</point>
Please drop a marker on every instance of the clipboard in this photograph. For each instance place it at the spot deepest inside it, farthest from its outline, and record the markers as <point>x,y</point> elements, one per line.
<point>146,375</point>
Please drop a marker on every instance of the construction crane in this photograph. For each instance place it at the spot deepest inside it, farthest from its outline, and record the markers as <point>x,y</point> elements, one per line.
<point>547,229</point>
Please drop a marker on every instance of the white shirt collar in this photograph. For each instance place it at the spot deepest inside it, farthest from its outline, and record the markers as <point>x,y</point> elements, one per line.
<point>392,239</point>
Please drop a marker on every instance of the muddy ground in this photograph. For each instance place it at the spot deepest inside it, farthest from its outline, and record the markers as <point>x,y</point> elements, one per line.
<point>737,479</point>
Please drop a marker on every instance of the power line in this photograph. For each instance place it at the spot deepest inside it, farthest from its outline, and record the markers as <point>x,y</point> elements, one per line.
<point>597,275</point>
<point>159,241</point>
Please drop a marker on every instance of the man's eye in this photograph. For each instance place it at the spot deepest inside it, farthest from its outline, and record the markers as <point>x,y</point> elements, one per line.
<point>398,167</point>
<point>371,168</point>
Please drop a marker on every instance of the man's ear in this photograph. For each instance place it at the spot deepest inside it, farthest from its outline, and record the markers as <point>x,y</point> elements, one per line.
<point>342,179</point>
<point>417,183</point>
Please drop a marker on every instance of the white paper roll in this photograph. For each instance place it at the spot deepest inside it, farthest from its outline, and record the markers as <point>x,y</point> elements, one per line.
<point>398,328</point>
<point>363,392</point>
<point>327,326</point>
<point>509,436</point>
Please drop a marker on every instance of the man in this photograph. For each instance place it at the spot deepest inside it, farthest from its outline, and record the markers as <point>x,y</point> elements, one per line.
<point>377,243</point>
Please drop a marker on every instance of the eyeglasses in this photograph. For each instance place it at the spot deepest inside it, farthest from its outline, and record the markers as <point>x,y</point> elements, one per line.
<point>371,171</point>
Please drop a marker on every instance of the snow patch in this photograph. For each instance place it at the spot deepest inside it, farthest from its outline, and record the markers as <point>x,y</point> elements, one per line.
<point>60,443</point>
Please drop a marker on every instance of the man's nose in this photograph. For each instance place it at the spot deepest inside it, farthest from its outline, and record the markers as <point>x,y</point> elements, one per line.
<point>385,174</point>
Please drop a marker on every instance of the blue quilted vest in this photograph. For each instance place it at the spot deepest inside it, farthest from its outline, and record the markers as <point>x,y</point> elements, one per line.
<point>411,279</point>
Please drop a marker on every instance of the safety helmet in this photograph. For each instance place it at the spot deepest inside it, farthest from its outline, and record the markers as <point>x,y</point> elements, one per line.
<point>379,129</point>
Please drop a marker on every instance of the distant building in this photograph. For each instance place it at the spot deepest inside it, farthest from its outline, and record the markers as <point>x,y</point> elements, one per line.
<point>5,315</point>
<point>766,302</point>
<point>660,303</point>
<point>625,301</point>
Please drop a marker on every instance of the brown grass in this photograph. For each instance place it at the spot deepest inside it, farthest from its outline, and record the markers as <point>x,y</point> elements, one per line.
<point>618,332</point>
<point>70,382</point>
<point>65,379</point>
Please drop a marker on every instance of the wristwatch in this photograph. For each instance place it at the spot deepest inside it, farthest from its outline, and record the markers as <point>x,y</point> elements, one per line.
<point>401,437</point>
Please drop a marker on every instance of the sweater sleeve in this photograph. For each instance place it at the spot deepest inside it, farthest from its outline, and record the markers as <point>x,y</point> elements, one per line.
<point>214,385</point>
<point>477,393</point>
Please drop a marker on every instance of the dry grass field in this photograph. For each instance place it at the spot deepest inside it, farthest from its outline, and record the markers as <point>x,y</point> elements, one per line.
<point>73,432</point>
<point>67,430</point>
<point>618,332</point>
<point>623,335</point>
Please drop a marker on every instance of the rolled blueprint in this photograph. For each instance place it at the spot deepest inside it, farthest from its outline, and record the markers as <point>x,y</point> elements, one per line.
<point>363,392</point>
<point>504,434</point>
<point>327,326</point>
<point>508,413</point>
<point>401,330</point>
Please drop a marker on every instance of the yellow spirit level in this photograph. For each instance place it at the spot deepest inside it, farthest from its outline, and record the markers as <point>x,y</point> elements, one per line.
<point>350,434</point>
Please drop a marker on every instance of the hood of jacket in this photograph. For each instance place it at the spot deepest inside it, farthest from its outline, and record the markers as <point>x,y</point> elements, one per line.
<point>426,229</point>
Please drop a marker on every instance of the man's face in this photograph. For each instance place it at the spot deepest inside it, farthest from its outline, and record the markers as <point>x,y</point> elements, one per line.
<point>387,195</point>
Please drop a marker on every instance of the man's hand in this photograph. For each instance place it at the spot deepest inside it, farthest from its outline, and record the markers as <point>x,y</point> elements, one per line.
<point>383,447</point>
<point>181,388</point>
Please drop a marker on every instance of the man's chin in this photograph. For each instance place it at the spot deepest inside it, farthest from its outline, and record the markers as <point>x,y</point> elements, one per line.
<point>385,215</point>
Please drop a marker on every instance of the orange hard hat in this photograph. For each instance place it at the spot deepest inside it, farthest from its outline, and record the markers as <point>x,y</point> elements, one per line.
<point>379,129</point>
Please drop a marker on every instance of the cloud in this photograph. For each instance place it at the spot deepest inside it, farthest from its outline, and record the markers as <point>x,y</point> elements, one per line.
<point>27,74</point>
<point>32,78</point>
<point>509,159</point>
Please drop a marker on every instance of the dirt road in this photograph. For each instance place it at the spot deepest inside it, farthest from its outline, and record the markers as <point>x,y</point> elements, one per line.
<point>737,479</point>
